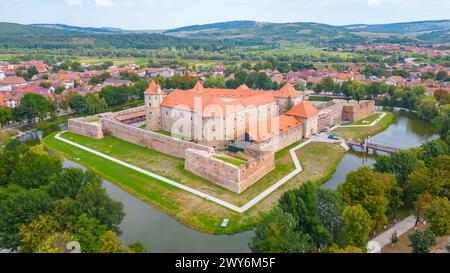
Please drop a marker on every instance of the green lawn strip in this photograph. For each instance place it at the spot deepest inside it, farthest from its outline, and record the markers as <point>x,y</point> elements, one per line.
<point>367,121</point>
<point>163,196</point>
<point>233,161</point>
<point>173,168</point>
<point>191,210</point>
<point>363,132</point>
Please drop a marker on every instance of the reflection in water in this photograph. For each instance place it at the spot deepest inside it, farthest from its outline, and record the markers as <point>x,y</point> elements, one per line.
<point>350,162</point>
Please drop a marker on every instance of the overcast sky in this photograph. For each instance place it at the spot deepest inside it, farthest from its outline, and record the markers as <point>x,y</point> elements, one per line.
<point>164,14</point>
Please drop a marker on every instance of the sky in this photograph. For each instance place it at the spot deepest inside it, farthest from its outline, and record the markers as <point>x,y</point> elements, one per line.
<point>166,14</point>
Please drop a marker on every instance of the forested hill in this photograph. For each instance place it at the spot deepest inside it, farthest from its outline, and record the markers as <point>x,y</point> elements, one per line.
<point>34,37</point>
<point>267,32</point>
<point>80,29</point>
<point>421,31</point>
<point>403,28</point>
<point>214,37</point>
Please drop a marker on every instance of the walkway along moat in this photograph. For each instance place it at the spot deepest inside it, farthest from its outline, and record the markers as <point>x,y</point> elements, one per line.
<point>161,233</point>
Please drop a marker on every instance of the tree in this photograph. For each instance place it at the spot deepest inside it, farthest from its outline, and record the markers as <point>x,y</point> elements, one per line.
<point>329,209</point>
<point>95,203</point>
<point>303,203</point>
<point>46,84</point>
<point>109,243</point>
<point>5,116</point>
<point>95,104</point>
<point>78,104</point>
<point>20,207</point>
<point>32,106</point>
<point>59,90</point>
<point>427,107</point>
<point>363,187</point>
<point>421,204</point>
<point>88,232</point>
<point>35,233</point>
<point>432,149</point>
<point>433,180</point>
<point>357,226</point>
<point>276,234</point>
<point>404,163</point>
<point>71,182</point>
<point>438,216</point>
<point>383,164</point>
<point>137,247</point>
<point>28,167</point>
<point>336,249</point>
<point>442,75</point>
<point>421,241</point>
<point>442,122</point>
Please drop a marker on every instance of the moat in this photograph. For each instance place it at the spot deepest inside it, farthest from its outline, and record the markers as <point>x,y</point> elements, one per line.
<point>162,233</point>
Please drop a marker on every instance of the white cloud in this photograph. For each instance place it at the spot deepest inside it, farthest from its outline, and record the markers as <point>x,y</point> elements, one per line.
<point>105,3</point>
<point>74,2</point>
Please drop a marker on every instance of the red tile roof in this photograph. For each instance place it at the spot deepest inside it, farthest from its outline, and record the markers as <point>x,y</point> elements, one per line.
<point>152,88</point>
<point>216,101</point>
<point>276,126</point>
<point>287,91</point>
<point>13,80</point>
<point>303,109</point>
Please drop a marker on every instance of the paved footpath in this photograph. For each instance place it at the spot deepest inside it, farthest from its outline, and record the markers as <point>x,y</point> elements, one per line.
<point>385,238</point>
<point>211,198</point>
<point>257,199</point>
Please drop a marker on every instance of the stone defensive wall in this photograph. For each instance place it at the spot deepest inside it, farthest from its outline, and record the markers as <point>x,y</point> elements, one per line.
<point>229,176</point>
<point>148,139</point>
<point>88,126</point>
<point>126,112</point>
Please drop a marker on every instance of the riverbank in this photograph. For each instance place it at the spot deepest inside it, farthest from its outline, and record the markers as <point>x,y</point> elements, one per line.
<point>364,132</point>
<point>197,212</point>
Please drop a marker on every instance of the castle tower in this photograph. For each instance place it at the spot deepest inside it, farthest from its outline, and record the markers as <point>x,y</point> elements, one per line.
<point>153,99</point>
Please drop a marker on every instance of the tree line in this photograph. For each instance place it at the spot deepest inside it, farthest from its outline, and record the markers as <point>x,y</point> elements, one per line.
<point>311,218</point>
<point>44,206</point>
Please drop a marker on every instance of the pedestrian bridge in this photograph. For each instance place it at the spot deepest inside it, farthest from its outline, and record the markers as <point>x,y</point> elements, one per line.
<point>375,148</point>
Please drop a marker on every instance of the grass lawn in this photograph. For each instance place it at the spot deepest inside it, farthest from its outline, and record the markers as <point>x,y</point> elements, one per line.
<point>232,160</point>
<point>189,209</point>
<point>367,121</point>
<point>319,98</point>
<point>6,135</point>
<point>363,132</point>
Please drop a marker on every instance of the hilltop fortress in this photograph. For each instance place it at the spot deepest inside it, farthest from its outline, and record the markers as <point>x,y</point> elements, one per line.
<point>212,128</point>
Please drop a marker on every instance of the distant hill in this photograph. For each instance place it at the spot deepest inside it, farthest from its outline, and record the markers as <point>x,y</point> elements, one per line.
<point>37,37</point>
<point>218,26</point>
<point>266,32</point>
<point>402,28</point>
<point>79,29</point>
<point>215,37</point>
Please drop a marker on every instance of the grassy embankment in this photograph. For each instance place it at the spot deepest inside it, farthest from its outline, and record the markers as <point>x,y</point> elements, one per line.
<point>319,162</point>
<point>364,132</point>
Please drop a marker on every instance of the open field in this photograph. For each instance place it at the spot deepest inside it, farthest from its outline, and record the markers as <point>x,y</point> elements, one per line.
<point>364,132</point>
<point>189,209</point>
<point>291,50</point>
